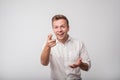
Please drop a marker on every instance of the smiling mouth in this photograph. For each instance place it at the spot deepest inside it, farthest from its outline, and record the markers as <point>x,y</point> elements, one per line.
<point>61,34</point>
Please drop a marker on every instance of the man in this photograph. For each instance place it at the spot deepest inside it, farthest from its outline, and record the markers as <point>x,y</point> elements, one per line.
<point>66,55</point>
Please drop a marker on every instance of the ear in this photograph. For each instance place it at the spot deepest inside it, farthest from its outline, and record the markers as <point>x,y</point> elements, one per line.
<point>68,28</point>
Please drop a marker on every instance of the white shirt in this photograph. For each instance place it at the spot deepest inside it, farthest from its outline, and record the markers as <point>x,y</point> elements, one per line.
<point>62,55</point>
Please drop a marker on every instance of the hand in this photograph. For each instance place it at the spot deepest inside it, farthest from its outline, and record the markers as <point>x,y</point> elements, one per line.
<point>50,42</point>
<point>77,64</point>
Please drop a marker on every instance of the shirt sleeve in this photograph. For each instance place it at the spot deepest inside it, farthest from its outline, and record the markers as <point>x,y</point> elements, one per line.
<point>84,55</point>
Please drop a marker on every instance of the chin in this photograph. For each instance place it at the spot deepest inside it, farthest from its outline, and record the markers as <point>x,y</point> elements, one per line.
<point>60,38</point>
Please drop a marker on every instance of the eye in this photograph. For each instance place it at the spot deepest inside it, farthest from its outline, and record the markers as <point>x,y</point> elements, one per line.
<point>63,26</point>
<point>55,27</point>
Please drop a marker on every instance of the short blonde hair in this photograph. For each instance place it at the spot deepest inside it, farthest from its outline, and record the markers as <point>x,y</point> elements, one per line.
<point>60,16</point>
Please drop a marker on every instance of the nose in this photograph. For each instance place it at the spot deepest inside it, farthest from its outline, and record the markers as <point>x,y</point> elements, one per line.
<point>59,29</point>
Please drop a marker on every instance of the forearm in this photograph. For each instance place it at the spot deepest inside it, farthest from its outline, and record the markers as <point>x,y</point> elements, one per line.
<point>45,56</point>
<point>84,66</point>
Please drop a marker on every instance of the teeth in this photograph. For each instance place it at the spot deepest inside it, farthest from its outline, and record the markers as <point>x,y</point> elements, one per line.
<point>61,34</point>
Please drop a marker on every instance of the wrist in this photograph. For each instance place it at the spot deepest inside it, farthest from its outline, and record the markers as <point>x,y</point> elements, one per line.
<point>47,46</point>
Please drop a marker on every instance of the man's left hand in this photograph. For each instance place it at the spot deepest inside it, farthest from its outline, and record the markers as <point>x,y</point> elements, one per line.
<point>77,64</point>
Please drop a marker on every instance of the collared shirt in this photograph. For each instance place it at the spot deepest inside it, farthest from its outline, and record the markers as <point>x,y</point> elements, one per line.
<point>63,55</point>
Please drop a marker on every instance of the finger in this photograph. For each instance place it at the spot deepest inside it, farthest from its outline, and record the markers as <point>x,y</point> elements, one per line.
<point>75,65</point>
<point>72,66</point>
<point>52,45</point>
<point>80,58</point>
<point>50,41</point>
<point>53,42</point>
<point>50,37</point>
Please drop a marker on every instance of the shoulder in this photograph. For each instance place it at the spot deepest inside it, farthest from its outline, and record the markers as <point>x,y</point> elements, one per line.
<point>76,40</point>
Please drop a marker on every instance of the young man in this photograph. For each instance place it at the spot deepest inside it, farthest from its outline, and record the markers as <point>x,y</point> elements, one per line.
<point>66,55</point>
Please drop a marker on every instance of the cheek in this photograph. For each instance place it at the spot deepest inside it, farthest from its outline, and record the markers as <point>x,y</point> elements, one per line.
<point>54,30</point>
<point>65,30</point>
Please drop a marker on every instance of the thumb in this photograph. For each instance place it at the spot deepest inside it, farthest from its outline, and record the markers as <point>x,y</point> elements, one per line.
<point>50,37</point>
<point>80,59</point>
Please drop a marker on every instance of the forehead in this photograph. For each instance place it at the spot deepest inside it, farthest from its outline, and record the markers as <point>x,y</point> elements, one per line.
<point>59,21</point>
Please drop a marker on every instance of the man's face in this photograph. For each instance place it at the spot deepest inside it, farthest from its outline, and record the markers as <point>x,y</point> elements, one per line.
<point>60,28</point>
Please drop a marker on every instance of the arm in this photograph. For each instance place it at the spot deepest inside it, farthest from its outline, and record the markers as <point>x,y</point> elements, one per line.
<point>84,61</point>
<point>46,50</point>
<point>45,55</point>
<point>84,66</point>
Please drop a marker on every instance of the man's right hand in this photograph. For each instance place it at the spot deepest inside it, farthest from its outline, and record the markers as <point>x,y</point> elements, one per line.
<point>51,42</point>
<point>46,50</point>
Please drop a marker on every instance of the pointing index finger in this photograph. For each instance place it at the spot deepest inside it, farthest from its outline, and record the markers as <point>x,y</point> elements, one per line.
<point>50,37</point>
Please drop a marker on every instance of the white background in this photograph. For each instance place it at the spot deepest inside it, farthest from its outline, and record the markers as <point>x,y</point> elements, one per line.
<point>25,24</point>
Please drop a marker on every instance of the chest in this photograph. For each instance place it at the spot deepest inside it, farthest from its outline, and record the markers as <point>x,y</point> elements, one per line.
<point>69,52</point>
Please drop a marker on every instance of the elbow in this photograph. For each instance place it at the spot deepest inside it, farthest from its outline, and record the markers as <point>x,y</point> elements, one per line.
<point>44,63</point>
<point>86,69</point>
